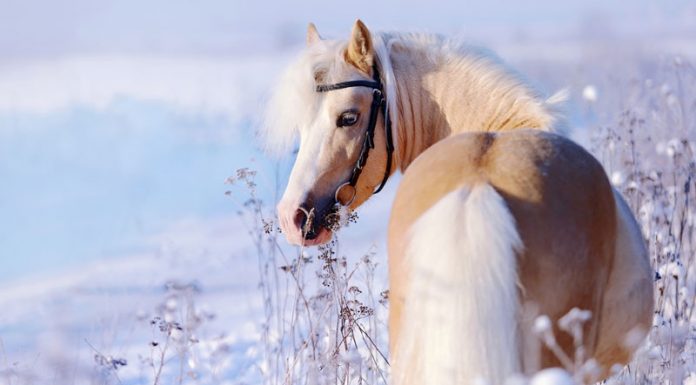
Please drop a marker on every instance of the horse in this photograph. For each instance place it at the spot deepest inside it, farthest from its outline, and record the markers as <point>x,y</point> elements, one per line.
<point>497,219</point>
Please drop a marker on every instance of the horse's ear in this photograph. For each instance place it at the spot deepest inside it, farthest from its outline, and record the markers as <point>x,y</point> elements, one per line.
<point>312,34</point>
<point>360,51</point>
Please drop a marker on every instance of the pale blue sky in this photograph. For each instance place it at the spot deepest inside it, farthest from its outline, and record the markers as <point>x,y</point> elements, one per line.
<point>222,27</point>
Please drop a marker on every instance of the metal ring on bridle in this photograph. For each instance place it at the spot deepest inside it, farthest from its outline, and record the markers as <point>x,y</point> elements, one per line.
<point>338,191</point>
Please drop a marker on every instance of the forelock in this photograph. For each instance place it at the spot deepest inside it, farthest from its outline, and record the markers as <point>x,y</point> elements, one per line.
<point>294,103</point>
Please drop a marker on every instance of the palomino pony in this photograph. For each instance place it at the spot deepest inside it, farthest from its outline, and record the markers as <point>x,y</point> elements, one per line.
<point>497,220</point>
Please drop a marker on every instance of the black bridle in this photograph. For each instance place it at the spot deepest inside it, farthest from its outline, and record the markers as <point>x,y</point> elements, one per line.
<point>379,104</point>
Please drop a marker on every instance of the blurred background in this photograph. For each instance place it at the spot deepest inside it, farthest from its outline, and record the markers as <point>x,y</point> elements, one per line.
<point>121,120</point>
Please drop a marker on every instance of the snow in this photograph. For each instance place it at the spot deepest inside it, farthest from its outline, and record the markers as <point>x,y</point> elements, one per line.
<point>542,324</point>
<point>553,376</point>
<point>589,93</point>
<point>115,143</point>
<point>190,84</point>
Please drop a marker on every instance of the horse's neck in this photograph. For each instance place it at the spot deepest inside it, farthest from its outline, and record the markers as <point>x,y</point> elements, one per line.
<point>470,93</point>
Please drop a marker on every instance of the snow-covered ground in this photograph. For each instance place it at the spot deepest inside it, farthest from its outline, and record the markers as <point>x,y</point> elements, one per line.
<point>119,126</point>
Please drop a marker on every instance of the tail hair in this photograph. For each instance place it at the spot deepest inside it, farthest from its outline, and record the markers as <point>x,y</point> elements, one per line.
<point>460,316</point>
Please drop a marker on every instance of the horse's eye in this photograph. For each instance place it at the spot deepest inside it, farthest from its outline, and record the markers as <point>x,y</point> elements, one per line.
<point>347,119</point>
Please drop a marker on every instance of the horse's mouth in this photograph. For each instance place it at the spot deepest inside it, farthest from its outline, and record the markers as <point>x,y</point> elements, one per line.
<point>321,226</point>
<point>318,237</point>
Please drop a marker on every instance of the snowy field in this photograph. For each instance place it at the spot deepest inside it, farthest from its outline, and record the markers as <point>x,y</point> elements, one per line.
<point>133,251</point>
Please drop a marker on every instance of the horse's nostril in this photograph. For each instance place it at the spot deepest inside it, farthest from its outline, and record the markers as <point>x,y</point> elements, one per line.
<point>303,220</point>
<point>300,218</point>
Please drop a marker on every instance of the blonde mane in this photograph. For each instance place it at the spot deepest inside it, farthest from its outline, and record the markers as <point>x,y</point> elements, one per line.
<point>295,103</point>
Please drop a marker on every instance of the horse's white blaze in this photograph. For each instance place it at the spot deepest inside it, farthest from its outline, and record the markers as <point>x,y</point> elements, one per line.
<point>305,172</point>
<point>460,318</point>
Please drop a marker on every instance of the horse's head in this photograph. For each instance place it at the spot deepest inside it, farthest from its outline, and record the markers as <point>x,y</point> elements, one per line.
<point>329,98</point>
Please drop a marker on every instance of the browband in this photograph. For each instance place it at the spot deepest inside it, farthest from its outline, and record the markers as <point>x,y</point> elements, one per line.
<point>352,83</point>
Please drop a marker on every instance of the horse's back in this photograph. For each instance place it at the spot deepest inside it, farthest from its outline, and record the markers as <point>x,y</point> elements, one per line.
<point>559,197</point>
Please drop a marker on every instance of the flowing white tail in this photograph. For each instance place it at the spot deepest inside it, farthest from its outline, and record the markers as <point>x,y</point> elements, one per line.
<point>460,314</point>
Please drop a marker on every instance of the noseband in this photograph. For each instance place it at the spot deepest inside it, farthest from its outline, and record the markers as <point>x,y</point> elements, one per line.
<point>379,103</point>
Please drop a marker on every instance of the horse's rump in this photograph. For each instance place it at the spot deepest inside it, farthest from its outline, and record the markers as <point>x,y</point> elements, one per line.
<point>560,199</point>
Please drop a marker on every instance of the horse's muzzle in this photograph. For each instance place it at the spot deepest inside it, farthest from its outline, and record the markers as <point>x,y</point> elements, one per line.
<point>314,221</point>
<point>307,224</point>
